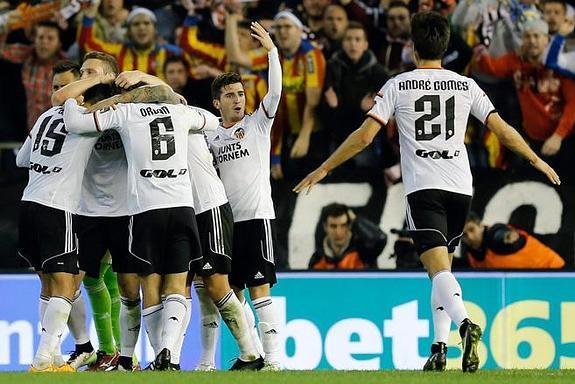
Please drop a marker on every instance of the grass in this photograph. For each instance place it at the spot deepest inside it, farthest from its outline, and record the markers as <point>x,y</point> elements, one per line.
<point>297,377</point>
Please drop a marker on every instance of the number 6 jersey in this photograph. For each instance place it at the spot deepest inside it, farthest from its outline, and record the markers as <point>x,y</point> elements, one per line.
<point>56,160</point>
<point>431,107</point>
<point>155,138</point>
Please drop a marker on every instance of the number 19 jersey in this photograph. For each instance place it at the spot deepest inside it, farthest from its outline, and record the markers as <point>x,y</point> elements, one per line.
<point>431,107</point>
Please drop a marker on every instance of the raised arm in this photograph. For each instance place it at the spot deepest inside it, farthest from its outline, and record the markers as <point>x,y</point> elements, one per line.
<point>272,98</point>
<point>511,139</point>
<point>232,42</point>
<point>356,142</point>
<point>77,88</point>
<point>145,94</point>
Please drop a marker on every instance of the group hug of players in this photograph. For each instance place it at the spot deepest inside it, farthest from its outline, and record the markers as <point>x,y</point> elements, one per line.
<point>132,173</point>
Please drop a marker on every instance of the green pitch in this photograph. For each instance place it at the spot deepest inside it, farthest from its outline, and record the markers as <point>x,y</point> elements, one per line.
<point>296,377</point>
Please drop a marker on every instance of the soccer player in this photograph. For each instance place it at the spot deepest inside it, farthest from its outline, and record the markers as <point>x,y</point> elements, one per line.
<point>47,236</point>
<point>241,146</point>
<point>163,236</point>
<point>431,106</point>
<point>215,226</point>
<point>102,226</point>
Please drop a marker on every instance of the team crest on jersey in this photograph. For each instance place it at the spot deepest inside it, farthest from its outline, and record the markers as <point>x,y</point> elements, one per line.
<point>239,133</point>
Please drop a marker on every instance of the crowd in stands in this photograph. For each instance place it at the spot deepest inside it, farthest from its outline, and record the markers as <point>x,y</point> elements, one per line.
<point>335,56</point>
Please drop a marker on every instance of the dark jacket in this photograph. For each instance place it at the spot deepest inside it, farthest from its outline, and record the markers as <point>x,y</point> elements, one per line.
<point>351,82</point>
<point>366,244</point>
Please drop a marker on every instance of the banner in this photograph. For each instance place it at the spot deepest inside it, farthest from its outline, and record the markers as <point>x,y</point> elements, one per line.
<point>373,321</point>
<point>531,204</point>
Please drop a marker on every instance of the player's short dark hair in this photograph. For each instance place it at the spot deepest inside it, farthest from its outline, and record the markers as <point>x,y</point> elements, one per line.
<point>64,66</point>
<point>50,24</point>
<point>223,80</point>
<point>334,210</point>
<point>110,62</point>
<point>99,92</point>
<point>356,25</point>
<point>430,35</point>
<point>562,2</point>
<point>176,59</point>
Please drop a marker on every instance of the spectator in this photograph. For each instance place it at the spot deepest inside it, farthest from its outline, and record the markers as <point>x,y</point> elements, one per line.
<point>560,58</point>
<point>140,51</point>
<point>555,14</point>
<point>110,22</point>
<point>177,73</point>
<point>391,50</point>
<point>313,14</point>
<point>209,58</point>
<point>502,246</point>
<point>335,23</point>
<point>547,100</point>
<point>37,62</point>
<point>303,67</point>
<point>353,78</point>
<point>350,242</point>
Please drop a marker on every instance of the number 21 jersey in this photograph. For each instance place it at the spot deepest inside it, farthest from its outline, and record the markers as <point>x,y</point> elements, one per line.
<point>431,107</point>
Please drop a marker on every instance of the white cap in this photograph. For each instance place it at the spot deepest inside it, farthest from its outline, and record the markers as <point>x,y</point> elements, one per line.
<point>286,14</point>
<point>136,11</point>
<point>537,25</point>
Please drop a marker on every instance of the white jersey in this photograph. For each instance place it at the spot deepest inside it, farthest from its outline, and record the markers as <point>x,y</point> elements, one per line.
<point>207,188</point>
<point>431,107</point>
<point>242,153</point>
<point>105,179</point>
<point>155,138</point>
<point>56,159</point>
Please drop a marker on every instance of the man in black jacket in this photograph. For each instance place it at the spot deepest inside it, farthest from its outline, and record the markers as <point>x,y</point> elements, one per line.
<point>353,78</point>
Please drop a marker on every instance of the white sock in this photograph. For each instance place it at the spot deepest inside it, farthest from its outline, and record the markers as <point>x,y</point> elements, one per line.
<point>176,353</point>
<point>210,325</point>
<point>175,308</point>
<point>251,319</point>
<point>130,322</point>
<point>53,325</point>
<point>441,320</point>
<point>57,352</point>
<point>77,320</point>
<point>446,289</point>
<point>42,305</point>
<point>268,327</point>
<point>233,315</point>
<point>153,321</point>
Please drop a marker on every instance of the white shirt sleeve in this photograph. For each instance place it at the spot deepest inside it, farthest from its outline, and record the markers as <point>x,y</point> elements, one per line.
<point>210,122</point>
<point>80,122</point>
<point>23,157</point>
<point>384,107</point>
<point>271,101</point>
<point>481,106</point>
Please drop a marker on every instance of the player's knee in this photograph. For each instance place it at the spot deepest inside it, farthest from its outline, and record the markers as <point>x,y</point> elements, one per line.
<point>129,286</point>
<point>62,284</point>
<point>259,291</point>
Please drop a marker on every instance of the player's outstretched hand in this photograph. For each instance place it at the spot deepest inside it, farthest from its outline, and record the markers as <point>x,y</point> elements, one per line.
<point>544,168</point>
<point>260,34</point>
<point>310,180</point>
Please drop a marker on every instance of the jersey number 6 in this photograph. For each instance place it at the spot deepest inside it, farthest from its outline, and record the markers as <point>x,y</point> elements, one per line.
<point>420,134</point>
<point>163,144</point>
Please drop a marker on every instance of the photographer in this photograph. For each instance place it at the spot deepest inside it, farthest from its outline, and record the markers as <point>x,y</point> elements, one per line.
<point>348,242</point>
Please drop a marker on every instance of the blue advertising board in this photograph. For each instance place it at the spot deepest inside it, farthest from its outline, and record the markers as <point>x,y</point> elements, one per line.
<point>362,321</point>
